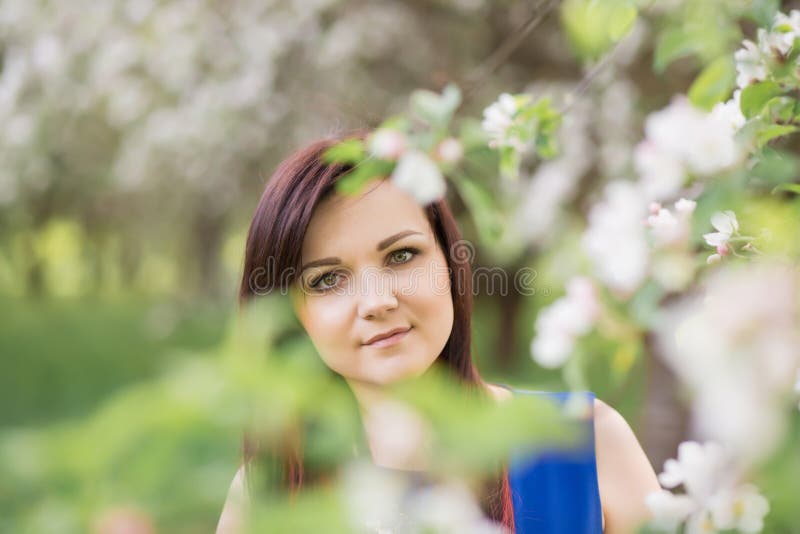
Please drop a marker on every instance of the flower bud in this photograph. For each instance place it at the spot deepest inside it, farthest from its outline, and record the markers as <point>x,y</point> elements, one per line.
<point>387,144</point>
<point>449,151</point>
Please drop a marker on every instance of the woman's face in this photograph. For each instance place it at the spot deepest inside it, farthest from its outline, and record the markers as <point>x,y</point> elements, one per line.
<point>372,265</point>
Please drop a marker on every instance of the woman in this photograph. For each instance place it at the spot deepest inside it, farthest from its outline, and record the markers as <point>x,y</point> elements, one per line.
<point>374,284</point>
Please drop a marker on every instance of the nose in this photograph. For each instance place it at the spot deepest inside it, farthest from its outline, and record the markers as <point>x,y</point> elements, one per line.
<point>377,295</point>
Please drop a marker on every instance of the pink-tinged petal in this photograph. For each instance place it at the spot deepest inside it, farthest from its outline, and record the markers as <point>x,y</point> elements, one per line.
<point>716,239</point>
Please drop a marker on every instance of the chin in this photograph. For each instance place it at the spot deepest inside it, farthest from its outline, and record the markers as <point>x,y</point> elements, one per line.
<point>393,376</point>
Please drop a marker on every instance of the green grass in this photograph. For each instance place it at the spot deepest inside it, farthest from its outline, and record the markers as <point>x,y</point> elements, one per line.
<point>60,358</point>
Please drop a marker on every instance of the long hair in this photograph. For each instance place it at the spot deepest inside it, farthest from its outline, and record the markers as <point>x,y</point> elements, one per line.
<point>273,259</point>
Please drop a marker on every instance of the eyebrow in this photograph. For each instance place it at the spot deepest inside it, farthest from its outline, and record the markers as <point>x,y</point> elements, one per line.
<point>333,260</point>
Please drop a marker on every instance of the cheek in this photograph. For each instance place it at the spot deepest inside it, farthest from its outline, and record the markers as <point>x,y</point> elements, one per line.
<point>325,320</point>
<point>432,301</point>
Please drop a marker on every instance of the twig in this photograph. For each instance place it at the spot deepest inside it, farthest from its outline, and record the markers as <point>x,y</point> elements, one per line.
<point>587,80</point>
<point>501,54</point>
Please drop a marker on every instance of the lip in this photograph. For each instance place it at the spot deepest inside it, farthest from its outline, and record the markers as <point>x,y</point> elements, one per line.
<point>388,338</point>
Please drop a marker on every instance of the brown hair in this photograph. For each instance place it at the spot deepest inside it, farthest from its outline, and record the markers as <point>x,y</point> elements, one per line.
<point>273,259</point>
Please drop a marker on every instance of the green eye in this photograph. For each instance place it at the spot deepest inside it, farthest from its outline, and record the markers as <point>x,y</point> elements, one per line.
<point>328,280</point>
<point>404,255</point>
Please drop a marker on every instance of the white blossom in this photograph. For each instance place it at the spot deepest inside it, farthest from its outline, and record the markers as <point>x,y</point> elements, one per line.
<point>388,144</point>
<point>713,497</point>
<point>498,118</point>
<point>672,265</point>
<point>561,323</point>
<point>730,112</point>
<point>750,65</point>
<point>661,174</point>
<point>727,226</point>
<point>666,228</point>
<point>669,510</point>
<point>787,23</point>
<point>702,141</point>
<point>698,468</point>
<point>734,346</point>
<point>385,501</point>
<point>777,44</point>
<point>448,507</point>
<point>552,348</point>
<point>419,176</point>
<point>685,206</point>
<point>450,151</point>
<point>373,497</point>
<point>742,508</point>
<point>615,240</point>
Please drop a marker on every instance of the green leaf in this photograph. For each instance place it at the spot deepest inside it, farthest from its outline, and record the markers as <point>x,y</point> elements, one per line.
<point>780,110</point>
<point>433,108</point>
<point>672,44</point>
<point>593,26</point>
<point>762,12</point>
<point>509,163</point>
<point>622,18</point>
<point>776,167</point>
<point>772,132</point>
<point>792,188</point>
<point>755,97</point>
<point>348,152</point>
<point>481,206</point>
<point>549,119</point>
<point>714,84</point>
<point>353,181</point>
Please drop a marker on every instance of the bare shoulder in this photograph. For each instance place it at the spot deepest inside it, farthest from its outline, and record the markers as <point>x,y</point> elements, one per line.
<point>615,439</point>
<point>624,473</point>
<point>235,508</point>
<point>610,419</point>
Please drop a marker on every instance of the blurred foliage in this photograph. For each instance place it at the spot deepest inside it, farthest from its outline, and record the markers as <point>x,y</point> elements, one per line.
<point>137,138</point>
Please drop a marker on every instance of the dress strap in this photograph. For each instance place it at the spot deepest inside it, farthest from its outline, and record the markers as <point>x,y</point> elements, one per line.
<point>555,490</point>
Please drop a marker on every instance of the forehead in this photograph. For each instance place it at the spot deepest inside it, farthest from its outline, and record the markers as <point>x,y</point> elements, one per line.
<point>379,210</point>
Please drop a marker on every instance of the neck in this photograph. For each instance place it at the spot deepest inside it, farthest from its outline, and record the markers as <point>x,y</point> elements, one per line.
<point>398,437</point>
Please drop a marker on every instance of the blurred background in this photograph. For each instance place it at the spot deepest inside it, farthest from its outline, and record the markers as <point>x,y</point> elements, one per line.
<point>137,136</point>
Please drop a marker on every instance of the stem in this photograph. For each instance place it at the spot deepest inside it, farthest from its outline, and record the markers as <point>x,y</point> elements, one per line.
<point>503,52</point>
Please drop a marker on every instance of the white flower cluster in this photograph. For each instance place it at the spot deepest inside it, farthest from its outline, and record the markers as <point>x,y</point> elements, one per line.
<point>385,502</point>
<point>672,260</point>
<point>753,60</point>
<point>682,139</point>
<point>730,112</point>
<point>668,228</point>
<point>416,172</point>
<point>171,89</point>
<point>712,501</point>
<point>616,241</point>
<point>559,325</point>
<point>498,120</point>
<point>735,347</point>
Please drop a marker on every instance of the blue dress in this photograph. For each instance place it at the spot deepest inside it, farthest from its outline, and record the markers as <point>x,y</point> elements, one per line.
<point>556,491</point>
